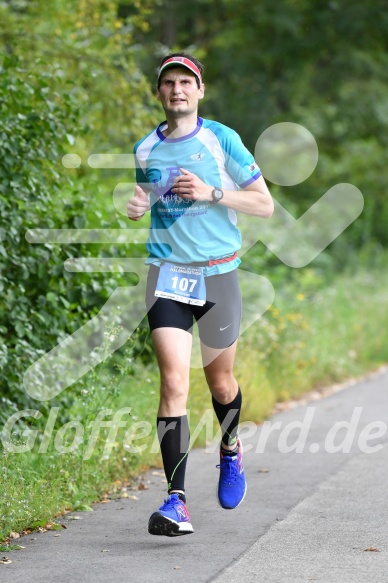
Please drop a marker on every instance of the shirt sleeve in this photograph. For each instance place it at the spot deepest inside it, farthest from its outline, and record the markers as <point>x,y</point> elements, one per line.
<point>141,178</point>
<point>239,162</point>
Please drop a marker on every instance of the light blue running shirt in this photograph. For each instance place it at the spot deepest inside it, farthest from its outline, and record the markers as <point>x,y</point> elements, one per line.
<point>184,231</point>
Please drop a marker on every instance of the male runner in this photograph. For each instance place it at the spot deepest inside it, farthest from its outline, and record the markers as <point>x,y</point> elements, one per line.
<point>194,174</point>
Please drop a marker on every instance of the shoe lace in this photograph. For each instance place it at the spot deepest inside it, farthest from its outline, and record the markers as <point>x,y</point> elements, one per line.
<point>229,469</point>
<point>170,503</point>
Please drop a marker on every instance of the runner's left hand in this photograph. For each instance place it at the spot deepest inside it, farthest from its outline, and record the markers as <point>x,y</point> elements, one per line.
<point>190,187</point>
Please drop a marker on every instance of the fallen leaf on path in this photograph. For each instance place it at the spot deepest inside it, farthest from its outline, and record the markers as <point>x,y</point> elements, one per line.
<point>158,473</point>
<point>105,551</point>
<point>373,550</point>
<point>177,567</point>
<point>55,535</point>
<point>132,497</point>
<point>14,535</point>
<point>142,486</point>
<point>263,470</point>
<point>5,561</point>
<point>73,518</point>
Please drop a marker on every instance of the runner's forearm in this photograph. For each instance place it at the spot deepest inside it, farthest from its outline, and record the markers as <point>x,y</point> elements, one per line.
<point>250,202</point>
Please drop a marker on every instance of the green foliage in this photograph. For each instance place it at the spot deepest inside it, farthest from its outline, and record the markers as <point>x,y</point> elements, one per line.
<point>34,122</point>
<point>74,479</point>
<point>93,49</point>
<point>68,82</point>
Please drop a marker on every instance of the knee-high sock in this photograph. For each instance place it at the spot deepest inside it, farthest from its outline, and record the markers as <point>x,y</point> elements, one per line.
<point>174,439</point>
<point>228,416</point>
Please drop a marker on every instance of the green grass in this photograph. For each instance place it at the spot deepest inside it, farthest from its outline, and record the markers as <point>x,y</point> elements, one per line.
<point>6,548</point>
<point>313,335</point>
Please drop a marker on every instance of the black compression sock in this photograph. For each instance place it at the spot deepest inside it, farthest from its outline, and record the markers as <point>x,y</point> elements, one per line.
<point>174,439</point>
<point>228,416</point>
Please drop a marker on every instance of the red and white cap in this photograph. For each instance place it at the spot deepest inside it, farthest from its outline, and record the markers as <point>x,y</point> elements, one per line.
<point>181,62</point>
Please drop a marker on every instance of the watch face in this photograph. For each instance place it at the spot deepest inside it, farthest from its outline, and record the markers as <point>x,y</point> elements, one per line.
<point>217,194</point>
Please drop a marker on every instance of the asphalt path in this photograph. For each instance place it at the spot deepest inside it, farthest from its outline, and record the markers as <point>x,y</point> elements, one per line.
<point>316,509</point>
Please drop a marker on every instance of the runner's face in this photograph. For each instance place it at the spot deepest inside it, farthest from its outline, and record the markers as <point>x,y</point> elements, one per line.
<point>178,92</point>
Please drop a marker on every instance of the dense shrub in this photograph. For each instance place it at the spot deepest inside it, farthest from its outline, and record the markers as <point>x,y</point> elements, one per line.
<point>37,115</point>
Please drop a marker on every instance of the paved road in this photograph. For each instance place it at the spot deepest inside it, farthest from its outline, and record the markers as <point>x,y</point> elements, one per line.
<point>308,515</point>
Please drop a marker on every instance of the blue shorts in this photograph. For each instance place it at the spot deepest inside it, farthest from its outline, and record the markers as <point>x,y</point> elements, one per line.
<point>218,319</point>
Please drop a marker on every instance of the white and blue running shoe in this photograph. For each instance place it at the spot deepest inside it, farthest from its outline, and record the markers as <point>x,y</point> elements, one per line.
<point>172,518</point>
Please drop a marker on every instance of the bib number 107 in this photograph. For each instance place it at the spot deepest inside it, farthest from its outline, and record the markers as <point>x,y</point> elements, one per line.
<point>183,283</point>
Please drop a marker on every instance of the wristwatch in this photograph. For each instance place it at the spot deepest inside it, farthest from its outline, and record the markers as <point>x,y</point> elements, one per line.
<point>217,195</point>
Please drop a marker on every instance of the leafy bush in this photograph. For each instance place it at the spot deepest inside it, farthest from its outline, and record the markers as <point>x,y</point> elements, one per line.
<point>54,83</point>
<point>37,114</point>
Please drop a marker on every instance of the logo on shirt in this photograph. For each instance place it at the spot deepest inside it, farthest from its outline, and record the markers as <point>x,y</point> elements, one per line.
<point>197,157</point>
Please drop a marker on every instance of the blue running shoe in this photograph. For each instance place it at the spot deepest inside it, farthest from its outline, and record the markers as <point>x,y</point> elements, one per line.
<point>172,519</point>
<point>232,486</point>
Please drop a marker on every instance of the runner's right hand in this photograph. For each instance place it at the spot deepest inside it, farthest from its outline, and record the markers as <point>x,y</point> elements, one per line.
<point>138,205</point>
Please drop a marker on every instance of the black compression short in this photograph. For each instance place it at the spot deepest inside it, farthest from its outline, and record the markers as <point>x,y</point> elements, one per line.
<point>218,319</point>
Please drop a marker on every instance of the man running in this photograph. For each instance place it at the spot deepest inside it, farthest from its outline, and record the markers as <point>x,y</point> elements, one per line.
<point>195,175</point>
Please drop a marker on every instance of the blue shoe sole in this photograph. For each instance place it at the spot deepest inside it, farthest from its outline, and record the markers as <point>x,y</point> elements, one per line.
<point>159,524</point>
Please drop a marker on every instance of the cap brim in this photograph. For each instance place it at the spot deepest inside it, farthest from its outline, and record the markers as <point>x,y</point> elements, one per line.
<point>175,64</point>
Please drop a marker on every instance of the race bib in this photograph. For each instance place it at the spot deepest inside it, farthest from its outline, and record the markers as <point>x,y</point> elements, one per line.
<point>182,283</point>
